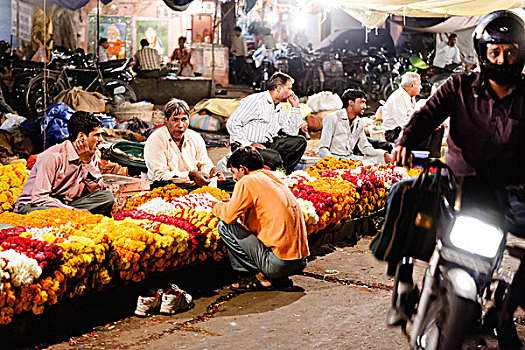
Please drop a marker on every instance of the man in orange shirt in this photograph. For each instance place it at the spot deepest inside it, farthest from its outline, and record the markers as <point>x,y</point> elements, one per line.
<point>270,242</point>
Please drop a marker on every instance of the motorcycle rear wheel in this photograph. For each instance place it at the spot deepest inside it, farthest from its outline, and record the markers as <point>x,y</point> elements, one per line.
<point>117,96</point>
<point>447,320</point>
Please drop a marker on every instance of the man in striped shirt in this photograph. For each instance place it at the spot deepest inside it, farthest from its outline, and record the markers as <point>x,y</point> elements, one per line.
<point>147,61</point>
<point>261,121</point>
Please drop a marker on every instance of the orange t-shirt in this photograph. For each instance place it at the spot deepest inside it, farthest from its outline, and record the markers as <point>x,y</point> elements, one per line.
<point>268,208</point>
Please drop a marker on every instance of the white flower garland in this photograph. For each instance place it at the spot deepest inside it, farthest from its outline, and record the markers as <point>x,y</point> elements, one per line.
<point>19,268</point>
<point>308,210</point>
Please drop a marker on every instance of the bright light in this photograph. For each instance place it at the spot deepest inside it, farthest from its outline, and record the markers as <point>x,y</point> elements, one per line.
<point>299,22</point>
<point>476,236</point>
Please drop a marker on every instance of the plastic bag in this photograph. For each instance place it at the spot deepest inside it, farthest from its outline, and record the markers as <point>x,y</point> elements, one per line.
<point>55,128</point>
<point>11,125</point>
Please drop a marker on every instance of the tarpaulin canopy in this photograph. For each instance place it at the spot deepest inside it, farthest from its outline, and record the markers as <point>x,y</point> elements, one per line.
<point>373,13</point>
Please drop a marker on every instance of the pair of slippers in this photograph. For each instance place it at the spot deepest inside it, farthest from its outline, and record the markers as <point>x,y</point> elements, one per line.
<point>250,283</point>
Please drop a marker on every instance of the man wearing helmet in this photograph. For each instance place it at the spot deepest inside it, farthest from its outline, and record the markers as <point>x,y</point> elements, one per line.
<point>487,129</point>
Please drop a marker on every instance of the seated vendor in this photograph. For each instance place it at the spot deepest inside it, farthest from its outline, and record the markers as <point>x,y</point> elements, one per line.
<point>262,225</point>
<point>343,131</point>
<point>174,154</point>
<point>67,175</point>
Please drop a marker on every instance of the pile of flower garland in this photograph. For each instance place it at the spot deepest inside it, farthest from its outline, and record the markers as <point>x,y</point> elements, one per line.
<point>12,179</point>
<point>58,254</point>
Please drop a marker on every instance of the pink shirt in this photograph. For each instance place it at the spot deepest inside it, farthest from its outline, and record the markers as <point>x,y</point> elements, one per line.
<point>59,177</point>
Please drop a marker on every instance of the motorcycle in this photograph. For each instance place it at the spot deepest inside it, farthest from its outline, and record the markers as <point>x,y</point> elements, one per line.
<point>462,279</point>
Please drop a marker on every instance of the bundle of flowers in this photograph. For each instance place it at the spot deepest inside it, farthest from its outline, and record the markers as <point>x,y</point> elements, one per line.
<point>297,177</point>
<point>143,218</point>
<point>214,191</point>
<point>308,209</point>
<point>205,222</point>
<point>364,182</point>
<point>331,163</point>
<point>158,206</point>
<point>344,193</point>
<point>12,179</point>
<point>323,203</point>
<point>50,218</point>
<point>45,254</point>
<point>133,246</point>
<point>196,201</point>
<point>18,268</point>
<point>168,193</point>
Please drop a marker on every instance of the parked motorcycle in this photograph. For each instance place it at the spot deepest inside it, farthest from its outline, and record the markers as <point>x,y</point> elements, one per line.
<point>462,278</point>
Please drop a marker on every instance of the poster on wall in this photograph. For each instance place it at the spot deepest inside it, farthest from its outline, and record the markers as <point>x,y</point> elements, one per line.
<point>117,30</point>
<point>156,32</point>
<point>24,12</point>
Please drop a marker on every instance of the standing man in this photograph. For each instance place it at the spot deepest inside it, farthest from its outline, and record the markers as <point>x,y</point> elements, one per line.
<point>103,45</point>
<point>343,130</point>
<point>262,225</point>
<point>400,105</point>
<point>182,55</point>
<point>174,154</point>
<point>447,56</point>
<point>239,51</point>
<point>261,121</point>
<point>147,61</point>
<point>67,174</point>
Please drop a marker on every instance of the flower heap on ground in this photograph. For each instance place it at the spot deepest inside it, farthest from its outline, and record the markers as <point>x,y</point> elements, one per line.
<point>55,254</point>
<point>341,189</point>
<point>12,179</point>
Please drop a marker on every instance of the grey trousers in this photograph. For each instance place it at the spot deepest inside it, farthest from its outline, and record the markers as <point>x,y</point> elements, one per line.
<point>100,202</point>
<point>248,254</point>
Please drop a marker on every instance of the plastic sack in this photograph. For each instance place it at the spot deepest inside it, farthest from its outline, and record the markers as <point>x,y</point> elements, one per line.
<point>54,130</point>
<point>205,122</point>
<point>11,125</point>
<point>137,125</point>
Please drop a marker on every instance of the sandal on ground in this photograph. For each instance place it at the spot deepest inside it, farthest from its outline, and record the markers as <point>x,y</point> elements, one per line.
<point>249,284</point>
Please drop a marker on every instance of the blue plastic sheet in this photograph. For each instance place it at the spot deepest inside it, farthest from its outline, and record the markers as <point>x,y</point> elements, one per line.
<point>56,119</point>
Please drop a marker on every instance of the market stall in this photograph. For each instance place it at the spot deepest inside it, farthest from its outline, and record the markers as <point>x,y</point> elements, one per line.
<point>57,254</point>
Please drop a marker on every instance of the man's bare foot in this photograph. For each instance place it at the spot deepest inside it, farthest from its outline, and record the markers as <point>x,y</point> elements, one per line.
<point>264,282</point>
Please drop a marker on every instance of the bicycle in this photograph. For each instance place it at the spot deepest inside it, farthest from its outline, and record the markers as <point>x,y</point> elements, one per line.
<point>91,80</point>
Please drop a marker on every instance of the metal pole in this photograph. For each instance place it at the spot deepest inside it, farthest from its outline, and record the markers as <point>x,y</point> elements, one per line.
<point>98,31</point>
<point>216,2</point>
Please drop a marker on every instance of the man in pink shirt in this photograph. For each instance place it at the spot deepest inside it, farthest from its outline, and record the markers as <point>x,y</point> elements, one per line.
<point>67,175</point>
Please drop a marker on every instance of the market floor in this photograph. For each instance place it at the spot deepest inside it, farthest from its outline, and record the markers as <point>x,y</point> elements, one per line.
<point>341,304</point>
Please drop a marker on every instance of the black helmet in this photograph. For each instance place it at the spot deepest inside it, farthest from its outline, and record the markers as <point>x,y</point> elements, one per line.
<point>500,27</point>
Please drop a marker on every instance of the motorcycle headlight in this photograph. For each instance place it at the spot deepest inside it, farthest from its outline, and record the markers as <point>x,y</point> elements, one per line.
<point>475,236</point>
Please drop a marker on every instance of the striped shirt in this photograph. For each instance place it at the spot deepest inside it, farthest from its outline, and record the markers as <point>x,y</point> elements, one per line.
<point>147,58</point>
<point>258,120</point>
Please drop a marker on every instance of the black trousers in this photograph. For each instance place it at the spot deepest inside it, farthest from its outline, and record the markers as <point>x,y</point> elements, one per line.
<point>284,152</point>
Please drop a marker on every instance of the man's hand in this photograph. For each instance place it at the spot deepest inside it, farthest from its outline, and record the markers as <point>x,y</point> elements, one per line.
<point>304,127</point>
<point>399,155</point>
<point>216,172</point>
<point>257,145</point>
<point>294,100</point>
<point>85,153</point>
<point>388,158</point>
<point>199,178</point>
<point>376,118</point>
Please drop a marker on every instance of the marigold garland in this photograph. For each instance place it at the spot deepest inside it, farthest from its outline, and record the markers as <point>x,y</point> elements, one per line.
<point>168,193</point>
<point>12,180</point>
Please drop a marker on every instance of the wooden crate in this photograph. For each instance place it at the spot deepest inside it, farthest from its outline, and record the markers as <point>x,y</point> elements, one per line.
<point>123,187</point>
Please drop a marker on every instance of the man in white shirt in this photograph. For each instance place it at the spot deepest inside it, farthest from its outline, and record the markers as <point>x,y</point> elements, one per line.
<point>103,45</point>
<point>261,121</point>
<point>447,54</point>
<point>343,130</point>
<point>174,154</point>
<point>400,105</point>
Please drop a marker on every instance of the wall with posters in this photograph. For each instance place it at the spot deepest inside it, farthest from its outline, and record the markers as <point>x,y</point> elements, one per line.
<point>5,18</point>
